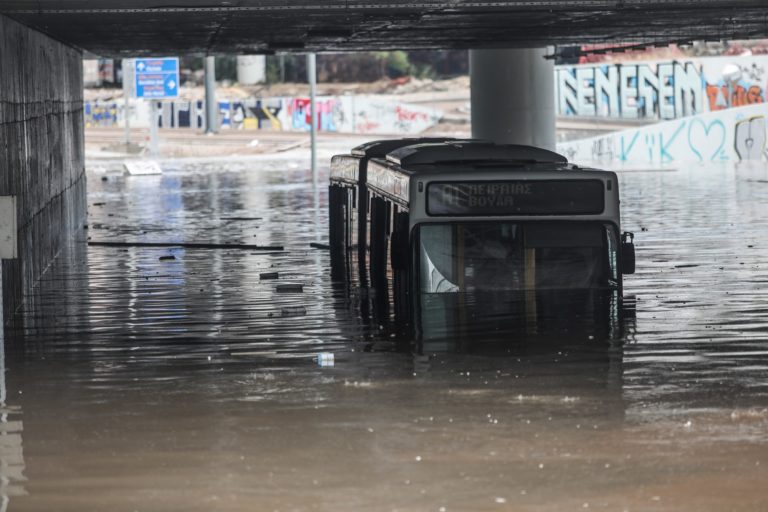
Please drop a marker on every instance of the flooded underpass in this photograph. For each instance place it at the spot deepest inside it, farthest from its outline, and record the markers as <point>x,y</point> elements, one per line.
<point>170,378</point>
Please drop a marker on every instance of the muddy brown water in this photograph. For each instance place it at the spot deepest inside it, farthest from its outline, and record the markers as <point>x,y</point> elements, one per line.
<point>139,384</point>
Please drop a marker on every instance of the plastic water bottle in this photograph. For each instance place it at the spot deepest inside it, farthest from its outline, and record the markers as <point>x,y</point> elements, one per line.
<point>325,359</point>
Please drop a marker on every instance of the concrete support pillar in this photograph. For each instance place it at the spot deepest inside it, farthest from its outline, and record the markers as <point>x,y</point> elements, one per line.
<point>513,96</point>
<point>211,108</point>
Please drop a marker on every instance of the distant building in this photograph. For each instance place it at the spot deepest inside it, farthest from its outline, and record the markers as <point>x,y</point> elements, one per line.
<point>251,69</point>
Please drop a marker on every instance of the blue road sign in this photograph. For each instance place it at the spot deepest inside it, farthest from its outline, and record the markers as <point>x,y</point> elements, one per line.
<point>157,78</point>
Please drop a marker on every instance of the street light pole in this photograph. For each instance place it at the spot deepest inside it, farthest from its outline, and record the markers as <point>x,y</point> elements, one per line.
<point>312,75</point>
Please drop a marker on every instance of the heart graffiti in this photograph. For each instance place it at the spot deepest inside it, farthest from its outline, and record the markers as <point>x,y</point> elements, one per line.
<point>702,137</point>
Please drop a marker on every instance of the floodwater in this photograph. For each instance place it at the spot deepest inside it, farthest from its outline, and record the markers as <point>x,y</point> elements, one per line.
<point>139,384</point>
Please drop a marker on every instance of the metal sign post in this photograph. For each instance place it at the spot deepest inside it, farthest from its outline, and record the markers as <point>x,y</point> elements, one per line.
<point>153,122</point>
<point>211,108</point>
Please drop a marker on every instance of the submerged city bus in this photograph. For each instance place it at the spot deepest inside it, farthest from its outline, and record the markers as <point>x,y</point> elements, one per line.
<point>477,237</point>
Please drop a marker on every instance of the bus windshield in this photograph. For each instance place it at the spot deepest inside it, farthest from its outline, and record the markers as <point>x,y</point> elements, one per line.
<point>507,256</point>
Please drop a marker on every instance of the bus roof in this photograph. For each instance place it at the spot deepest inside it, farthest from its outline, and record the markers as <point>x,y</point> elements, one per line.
<point>465,152</point>
<point>380,148</point>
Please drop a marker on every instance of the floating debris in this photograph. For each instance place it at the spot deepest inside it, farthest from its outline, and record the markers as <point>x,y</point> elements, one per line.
<point>269,275</point>
<point>325,359</point>
<point>290,288</point>
<point>318,245</point>
<point>142,167</point>
<point>169,257</point>
<point>188,245</point>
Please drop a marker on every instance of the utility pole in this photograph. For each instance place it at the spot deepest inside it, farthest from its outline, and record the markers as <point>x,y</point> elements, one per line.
<point>128,77</point>
<point>312,75</point>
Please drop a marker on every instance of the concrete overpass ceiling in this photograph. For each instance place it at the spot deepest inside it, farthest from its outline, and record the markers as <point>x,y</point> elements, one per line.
<point>111,28</point>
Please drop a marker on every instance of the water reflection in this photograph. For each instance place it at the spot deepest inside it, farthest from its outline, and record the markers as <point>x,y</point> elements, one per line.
<point>11,450</point>
<point>192,383</point>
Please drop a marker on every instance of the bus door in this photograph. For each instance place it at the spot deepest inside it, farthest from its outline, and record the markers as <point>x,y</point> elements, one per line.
<point>380,214</point>
<point>570,274</point>
<point>342,221</point>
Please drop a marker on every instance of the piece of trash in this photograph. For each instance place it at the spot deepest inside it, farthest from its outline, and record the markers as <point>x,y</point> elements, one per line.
<point>99,204</point>
<point>104,178</point>
<point>168,257</point>
<point>318,245</point>
<point>293,311</point>
<point>269,275</point>
<point>325,359</point>
<point>290,288</point>
<point>142,167</point>
<point>240,218</point>
<point>253,143</point>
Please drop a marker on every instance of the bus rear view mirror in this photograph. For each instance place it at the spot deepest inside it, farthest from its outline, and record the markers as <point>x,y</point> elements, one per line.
<point>627,253</point>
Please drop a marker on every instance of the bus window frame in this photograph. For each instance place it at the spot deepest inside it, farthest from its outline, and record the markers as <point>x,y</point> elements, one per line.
<point>416,241</point>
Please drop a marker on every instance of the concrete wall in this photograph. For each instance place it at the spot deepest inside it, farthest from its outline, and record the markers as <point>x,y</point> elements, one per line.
<point>732,135</point>
<point>661,89</point>
<point>343,114</point>
<point>41,150</point>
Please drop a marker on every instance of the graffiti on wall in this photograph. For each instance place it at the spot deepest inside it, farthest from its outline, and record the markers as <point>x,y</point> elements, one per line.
<point>347,114</point>
<point>101,114</point>
<point>660,90</point>
<point>736,134</point>
<point>666,90</point>
<point>330,114</point>
<point>750,138</point>
<point>744,89</point>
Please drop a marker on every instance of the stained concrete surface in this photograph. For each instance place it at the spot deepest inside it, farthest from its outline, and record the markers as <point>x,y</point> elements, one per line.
<point>42,158</point>
<point>139,384</point>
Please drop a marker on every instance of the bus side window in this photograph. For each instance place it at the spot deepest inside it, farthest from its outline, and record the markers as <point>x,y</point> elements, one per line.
<point>337,222</point>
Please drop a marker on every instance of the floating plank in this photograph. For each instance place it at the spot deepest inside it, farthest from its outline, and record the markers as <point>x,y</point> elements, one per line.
<point>289,288</point>
<point>188,245</point>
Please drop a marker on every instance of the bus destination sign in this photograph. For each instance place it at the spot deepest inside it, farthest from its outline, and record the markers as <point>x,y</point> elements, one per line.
<point>518,197</point>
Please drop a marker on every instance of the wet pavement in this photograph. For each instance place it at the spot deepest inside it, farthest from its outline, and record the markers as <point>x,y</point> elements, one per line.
<point>135,383</point>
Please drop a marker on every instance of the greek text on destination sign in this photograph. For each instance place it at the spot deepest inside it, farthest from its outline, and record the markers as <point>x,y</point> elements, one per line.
<point>516,197</point>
